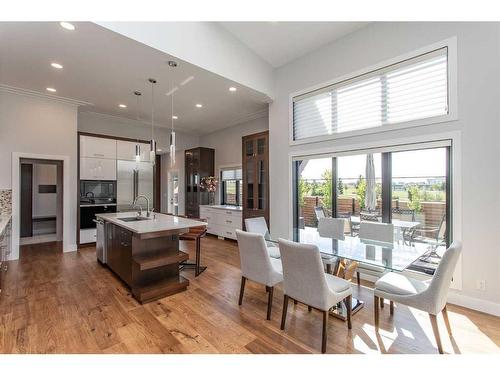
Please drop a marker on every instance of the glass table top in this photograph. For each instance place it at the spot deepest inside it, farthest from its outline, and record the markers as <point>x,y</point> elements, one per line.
<point>395,256</point>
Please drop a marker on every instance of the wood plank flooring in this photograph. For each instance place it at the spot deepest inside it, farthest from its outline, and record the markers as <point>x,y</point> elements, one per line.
<point>68,303</point>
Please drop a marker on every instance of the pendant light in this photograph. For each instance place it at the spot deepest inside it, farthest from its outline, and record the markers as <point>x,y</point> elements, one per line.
<point>137,145</point>
<point>172,64</point>
<point>152,143</point>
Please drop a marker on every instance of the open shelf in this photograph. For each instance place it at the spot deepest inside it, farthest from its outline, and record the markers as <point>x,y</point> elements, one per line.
<point>159,260</point>
<point>160,289</point>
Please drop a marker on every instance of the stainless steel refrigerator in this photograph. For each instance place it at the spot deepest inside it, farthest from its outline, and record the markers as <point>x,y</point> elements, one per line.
<point>132,182</point>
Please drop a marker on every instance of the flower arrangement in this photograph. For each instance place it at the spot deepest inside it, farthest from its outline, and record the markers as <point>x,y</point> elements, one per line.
<point>209,183</point>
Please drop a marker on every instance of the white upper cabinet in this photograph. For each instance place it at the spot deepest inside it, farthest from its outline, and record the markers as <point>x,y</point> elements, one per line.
<point>126,150</point>
<point>97,169</point>
<point>95,147</point>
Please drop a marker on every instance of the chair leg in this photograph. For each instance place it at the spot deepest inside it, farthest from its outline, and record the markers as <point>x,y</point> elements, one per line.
<point>358,278</point>
<point>348,304</point>
<point>381,303</point>
<point>270,302</point>
<point>391,307</point>
<point>294,301</point>
<point>447,321</point>
<point>435,329</point>
<point>309,308</point>
<point>283,316</point>
<point>325,328</point>
<point>329,269</point>
<point>375,311</point>
<point>242,289</point>
<point>197,257</point>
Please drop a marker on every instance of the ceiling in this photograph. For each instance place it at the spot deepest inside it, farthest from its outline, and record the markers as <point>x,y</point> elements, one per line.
<point>279,43</point>
<point>104,68</point>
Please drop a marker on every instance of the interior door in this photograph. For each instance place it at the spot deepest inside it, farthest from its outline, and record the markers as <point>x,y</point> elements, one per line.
<point>26,200</point>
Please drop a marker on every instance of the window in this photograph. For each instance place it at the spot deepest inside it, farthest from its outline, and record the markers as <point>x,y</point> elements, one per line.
<point>232,187</point>
<point>410,188</point>
<point>413,89</point>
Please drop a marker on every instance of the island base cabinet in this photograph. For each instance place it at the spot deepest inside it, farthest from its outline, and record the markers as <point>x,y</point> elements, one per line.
<point>149,266</point>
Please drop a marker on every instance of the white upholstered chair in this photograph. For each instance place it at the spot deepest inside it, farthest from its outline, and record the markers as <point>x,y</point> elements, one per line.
<point>259,225</point>
<point>429,296</point>
<point>257,265</point>
<point>331,227</point>
<point>305,281</point>
<point>374,231</point>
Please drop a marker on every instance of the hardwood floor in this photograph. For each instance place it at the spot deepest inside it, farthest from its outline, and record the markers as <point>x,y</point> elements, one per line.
<point>68,303</point>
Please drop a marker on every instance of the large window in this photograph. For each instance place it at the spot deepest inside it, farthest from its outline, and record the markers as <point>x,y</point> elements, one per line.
<point>408,186</point>
<point>231,186</point>
<point>413,89</point>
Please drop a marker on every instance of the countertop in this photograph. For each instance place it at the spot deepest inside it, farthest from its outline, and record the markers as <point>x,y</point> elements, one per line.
<point>223,207</point>
<point>161,223</point>
<point>4,220</point>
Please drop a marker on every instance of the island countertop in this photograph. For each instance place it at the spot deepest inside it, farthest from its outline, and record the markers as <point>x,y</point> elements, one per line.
<point>161,222</point>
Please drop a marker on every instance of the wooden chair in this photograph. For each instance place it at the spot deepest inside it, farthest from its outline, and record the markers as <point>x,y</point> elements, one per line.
<point>426,296</point>
<point>304,280</point>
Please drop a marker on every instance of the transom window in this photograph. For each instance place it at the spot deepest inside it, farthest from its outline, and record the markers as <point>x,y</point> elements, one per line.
<point>410,90</point>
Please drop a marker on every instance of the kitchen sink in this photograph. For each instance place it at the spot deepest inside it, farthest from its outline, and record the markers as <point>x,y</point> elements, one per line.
<point>135,218</point>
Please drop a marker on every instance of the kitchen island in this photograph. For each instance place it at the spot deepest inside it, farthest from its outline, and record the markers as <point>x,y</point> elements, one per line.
<point>144,252</point>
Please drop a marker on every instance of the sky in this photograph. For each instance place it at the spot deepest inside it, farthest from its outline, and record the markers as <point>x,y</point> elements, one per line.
<point>420,164</point>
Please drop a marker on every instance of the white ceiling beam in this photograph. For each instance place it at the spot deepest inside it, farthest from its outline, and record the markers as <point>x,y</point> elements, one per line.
<point>205,44</point>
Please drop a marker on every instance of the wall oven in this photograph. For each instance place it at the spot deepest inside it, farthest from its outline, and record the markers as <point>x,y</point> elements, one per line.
<point>96,197</point>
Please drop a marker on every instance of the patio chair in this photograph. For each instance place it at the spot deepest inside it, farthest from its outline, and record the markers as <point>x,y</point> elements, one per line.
<point>433,235</point>
<point>319,211</point>
<point>405,214</point>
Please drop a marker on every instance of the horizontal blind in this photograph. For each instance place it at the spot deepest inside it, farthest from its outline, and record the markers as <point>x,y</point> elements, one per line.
<point>414,89</point>
<point>231,174</point>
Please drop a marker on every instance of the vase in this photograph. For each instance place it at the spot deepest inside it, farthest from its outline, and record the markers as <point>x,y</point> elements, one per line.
<point>211,198</point>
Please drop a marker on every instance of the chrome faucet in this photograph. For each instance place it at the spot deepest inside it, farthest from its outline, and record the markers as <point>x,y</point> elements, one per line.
<point>148,212</point>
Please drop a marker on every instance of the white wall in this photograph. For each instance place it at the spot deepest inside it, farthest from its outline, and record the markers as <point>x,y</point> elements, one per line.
<point>478,118</point>
<point>205,44</point>
<point>39,125</point>
<point>227,143</point>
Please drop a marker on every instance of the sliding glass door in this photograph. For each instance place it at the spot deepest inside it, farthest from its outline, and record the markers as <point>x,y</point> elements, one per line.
<point>407,186</point>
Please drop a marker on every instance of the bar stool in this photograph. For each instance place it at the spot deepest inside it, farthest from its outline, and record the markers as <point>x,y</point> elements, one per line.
<point>195,234</point>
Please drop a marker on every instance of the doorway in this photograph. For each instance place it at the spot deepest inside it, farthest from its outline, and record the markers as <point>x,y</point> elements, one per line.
<point>41,201</point>
<point>173,192</point>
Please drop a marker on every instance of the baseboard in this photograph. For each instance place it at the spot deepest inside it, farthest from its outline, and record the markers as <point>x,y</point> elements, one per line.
<point>481,305</point>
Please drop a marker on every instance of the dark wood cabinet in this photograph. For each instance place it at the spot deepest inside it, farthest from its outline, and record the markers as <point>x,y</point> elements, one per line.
<point>199,163</point>
<point>255,159</point>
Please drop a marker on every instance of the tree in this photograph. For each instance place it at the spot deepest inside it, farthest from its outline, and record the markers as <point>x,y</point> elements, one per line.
<point>325,188</point>
<point>341,186</point>
<point>415,201</point>
<point>361,191</point>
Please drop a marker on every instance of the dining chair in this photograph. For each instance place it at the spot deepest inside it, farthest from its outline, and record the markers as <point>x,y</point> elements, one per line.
<point>259,225</point>
<point>374,231</point>
<point>257,265</point>
<point>305,281</point>
<point>331,227</point>
<point>429,296</point>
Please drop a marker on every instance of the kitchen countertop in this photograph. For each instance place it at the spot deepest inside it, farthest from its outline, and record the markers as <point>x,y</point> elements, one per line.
<point>161,223</point>
<point>223,207</point>
<point>4,221</point>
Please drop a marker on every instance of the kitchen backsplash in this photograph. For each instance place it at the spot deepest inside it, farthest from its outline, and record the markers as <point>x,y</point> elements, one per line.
<point>5,201</point>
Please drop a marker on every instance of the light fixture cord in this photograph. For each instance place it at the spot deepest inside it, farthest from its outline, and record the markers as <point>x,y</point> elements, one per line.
<point>152,110</point>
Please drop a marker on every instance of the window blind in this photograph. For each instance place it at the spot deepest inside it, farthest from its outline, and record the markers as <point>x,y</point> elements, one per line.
<point>413,89</point>
<point>231,174</point>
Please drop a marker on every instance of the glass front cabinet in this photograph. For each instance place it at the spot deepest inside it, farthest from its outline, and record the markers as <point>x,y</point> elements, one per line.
<point>255,159</point>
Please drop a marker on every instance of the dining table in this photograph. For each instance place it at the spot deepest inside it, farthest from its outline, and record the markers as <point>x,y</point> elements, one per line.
<point>382,256</point>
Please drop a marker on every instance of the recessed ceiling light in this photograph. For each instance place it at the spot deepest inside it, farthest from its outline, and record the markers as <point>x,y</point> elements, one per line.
<point>122,106</point>
<point>56,65</point>
<point>67,25</point>
<point>51,89</point>
<point>175,117</point>
<point>199,105</point>
<point>232,89</point>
